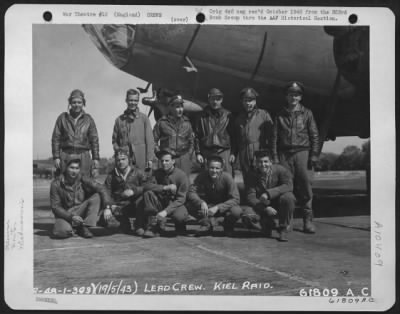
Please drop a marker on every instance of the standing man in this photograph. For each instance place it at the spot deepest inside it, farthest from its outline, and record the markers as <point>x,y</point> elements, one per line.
<point>214,130</point>
<point>75,201</point>
<point>125,184</point>
<point>174,131</point>
<point>253,129</point>
<point>165,196</point>
<point>295,144</point>
<point>75,133</point>
<point>269,193</point>
<point>132,130</point>
<point>214,194</point>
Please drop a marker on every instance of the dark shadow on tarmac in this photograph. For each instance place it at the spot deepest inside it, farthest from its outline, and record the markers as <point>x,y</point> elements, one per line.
<point>45,230</point>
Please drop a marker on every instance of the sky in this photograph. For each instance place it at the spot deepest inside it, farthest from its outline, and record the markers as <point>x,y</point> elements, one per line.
<point>64,58</point>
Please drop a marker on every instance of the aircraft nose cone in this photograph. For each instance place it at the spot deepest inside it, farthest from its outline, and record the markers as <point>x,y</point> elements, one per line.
<point>114,41</point>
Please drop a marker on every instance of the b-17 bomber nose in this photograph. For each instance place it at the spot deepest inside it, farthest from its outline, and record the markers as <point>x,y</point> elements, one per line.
<point>113,40</point>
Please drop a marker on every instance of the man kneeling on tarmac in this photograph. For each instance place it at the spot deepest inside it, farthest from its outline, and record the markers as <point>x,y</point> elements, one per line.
<point>269,193</point>
<point>75,201</point>
<point>125,185</point>
<point>214,194</point>
<point>164,196</point>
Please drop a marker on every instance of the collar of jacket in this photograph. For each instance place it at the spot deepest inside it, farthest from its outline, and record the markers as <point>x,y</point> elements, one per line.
<point>252,113</point>
<point>171,118</point>
<point>261,175</point>
<point>131,114</point>
<point>81,115</point>
<point>118,173</point>
<point>215,113</point>
<point>168,172</point>
<point>217,180</point>
<point>264,178</point>
<point>64,182</point>
<point>298,108</point>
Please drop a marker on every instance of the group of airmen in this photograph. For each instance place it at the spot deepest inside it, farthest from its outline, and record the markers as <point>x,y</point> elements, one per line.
<point>137,197</point>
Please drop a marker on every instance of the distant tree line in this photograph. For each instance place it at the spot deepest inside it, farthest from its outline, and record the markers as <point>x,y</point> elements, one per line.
<point>352,158</point>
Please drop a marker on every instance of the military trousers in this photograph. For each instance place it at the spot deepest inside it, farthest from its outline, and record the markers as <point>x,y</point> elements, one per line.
<point>284,205</point>
<point>230,216</point>
<point>297,164</point>
<point>123,211</point>
<point>88,210</point>
<point>153,204</point>
<point>184,162</point>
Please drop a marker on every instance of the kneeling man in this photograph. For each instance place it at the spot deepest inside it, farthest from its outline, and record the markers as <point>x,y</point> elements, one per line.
<point>269,192</point>
<point>214,194</point>
<point>75,201</point>
<point>164,196</point>
<point>125,185</point>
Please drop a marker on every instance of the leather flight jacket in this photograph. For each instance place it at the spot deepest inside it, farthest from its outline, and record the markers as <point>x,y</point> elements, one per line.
<point>174,134</point>
<point>75,138</point>
<point>295,131</point>
<point>213,130</point>
<point>64,196</point>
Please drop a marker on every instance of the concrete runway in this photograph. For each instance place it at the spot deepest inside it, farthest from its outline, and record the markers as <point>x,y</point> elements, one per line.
<point>336,257</point>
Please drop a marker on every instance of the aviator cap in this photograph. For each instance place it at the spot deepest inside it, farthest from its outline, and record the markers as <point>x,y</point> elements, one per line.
<point>76,93</point>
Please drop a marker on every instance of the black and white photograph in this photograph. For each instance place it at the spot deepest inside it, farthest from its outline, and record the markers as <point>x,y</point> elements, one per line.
<point>226,154</point>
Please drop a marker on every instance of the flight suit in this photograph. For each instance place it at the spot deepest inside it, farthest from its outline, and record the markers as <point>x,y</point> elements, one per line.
<point>252,132</point>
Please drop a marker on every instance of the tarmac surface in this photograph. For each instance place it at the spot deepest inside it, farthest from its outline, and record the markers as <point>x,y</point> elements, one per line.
<point>333,260</point>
